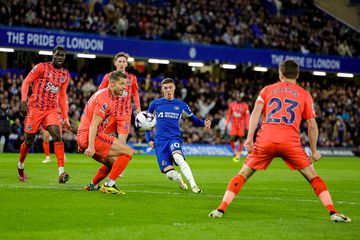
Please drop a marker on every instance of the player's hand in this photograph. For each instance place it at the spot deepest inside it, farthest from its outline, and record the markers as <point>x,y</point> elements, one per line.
<point>89,152</point>
<point>66,124</point>
<point>152,144</point>
<point>207,123</point>
<point>249,145</point>
<point>315,156</point>
<point>138,111</point>
<point>23,108</point>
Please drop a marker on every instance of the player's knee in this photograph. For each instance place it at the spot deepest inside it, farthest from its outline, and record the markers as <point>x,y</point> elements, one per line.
<point>127,150</point>
<point>29,139</point>
<point>29,142</point>
<point>178,158</point>
<point>56,137</point>
<point>171,174</point>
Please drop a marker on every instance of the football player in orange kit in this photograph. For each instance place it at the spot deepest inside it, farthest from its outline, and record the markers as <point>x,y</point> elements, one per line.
<point>123,109</point>
<point>50,81</point>
<point>239,115</point>
<point>283,105</point>
<point>94,142</point>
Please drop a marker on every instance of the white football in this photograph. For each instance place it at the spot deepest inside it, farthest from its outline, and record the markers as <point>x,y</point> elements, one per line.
<point>144,121</point>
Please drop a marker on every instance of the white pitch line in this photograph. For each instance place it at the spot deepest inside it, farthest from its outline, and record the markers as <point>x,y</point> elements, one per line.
<point>79,188</point>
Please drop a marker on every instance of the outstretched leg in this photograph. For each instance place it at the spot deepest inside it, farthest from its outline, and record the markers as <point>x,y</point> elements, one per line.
<point>123,154</point>
<point>232,190</point>
<point>185,169</point>
<point>322,192</point>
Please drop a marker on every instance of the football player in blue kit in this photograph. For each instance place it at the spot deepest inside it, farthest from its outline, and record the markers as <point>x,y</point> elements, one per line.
<point>167,140</point>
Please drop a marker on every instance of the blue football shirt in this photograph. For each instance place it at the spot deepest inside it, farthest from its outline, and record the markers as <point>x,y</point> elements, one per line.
<point>168,115</point>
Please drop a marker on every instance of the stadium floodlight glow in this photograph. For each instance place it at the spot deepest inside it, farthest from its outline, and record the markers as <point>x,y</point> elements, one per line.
<point>228,66</point>
<point>159,61</point>
<point>195,64</point>
<point>6,49</point>
<point>260,69</point>
<point>345,75</point>
<point>319,73</point>
<point>131,59</point>
<point>86,55</point>
<point>47,53</point>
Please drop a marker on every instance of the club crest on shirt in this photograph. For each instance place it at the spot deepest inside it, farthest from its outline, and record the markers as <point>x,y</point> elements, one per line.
<point>62,79</point>
<point>103,107</point>
<point>176,108</point>
<point>28,127</point>
<point>128,82</point>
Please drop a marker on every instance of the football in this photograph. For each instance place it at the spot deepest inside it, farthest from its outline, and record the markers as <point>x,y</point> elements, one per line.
<point>144,121</point>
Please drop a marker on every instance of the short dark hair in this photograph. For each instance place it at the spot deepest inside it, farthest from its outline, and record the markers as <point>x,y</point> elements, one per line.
<point>121,54</point>
<point>58,48</point>
<point>115,76</point>
<point>289,68</point>
<point>167,80</point>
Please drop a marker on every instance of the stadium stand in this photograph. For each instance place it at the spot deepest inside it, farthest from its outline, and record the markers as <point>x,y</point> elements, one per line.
<point>285,25</point>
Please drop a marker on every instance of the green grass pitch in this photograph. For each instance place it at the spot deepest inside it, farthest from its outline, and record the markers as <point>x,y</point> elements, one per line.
<point>273,204</point>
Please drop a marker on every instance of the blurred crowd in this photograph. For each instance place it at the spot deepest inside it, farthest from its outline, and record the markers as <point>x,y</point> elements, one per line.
<point>337,107</point>
<point>296,25</point>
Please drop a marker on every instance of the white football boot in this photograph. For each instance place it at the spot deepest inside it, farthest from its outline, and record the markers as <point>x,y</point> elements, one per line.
<point>216,214</point>
<point>338,217</point>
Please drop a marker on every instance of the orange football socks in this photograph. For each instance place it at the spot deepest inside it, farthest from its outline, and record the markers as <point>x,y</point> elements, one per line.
<point>119,166</point>
<point>59,152</point>
<point>232,190</point>
<point>24,150</point>
<point>322,192</point>
<point>46,146</point>
<point>102,172</point>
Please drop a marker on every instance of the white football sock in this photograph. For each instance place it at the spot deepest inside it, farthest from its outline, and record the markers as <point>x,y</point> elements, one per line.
<point>109,182</point>
<point>185,169</point>
<point>61,170</point>
<point>173,175</point>
<point>20,165</point>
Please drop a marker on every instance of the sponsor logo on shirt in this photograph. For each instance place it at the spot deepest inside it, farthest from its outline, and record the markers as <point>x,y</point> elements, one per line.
<point>237,114</point>
<point>51,87</point>
<point>168,115</point>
